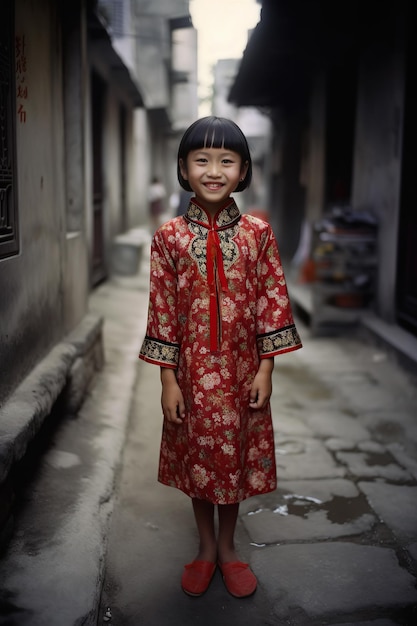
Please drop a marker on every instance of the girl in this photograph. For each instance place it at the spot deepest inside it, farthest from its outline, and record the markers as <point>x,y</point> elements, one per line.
<point>218,314</point>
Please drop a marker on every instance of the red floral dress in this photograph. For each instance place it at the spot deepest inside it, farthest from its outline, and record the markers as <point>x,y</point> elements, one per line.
<point>218,304</point>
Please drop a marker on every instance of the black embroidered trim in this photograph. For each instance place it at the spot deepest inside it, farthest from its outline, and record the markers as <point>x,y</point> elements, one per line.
<point>198,246</point>
<point>160,351</point>
<point>228,216</point>
<point>196,214</point>
<point>278,340</point>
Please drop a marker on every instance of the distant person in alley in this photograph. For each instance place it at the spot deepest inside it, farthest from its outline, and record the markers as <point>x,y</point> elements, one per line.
<point>157,197</point>
<point>218,315</point>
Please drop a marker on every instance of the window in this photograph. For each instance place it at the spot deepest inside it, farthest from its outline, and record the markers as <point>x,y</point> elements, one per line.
<point>114,12</point>
<point>9,236</point>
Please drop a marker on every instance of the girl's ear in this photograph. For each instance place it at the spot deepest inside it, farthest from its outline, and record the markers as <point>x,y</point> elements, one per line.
<point>183,169</point>
<point>244,170</point>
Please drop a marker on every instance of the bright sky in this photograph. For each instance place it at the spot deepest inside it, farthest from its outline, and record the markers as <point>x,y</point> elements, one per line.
<point>222,27</point>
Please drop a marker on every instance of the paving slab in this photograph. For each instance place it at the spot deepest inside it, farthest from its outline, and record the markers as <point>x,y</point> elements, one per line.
<point>365,393</point>
<point>335,443</point>
<point>304,490</point>
<point>373,465</point>
<point>330,360</point>
<point>286,424</point>
<point>402,456</point>
<point>396,505</point>
<point>295,377</point>
<point>398,431</point>
<point>375,622</point>
<point>278,526</point>
<point>333,423</point>
<point>339,578</point>
<point>299,458</point>
<point>323,490</point>
<point>396,426</point>
<point>371,446</point>
<point>308,511</point>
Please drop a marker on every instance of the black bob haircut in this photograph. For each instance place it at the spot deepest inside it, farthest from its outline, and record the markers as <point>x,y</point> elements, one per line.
<point>214,132</point>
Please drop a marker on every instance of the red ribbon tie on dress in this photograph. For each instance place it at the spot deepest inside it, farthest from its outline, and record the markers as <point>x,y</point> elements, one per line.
<point>215,277</point>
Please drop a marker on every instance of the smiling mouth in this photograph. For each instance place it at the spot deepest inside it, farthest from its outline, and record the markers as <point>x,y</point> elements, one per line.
<point>213,186</point>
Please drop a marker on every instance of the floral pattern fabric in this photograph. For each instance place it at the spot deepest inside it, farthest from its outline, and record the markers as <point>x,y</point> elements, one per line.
<point>218,304</point>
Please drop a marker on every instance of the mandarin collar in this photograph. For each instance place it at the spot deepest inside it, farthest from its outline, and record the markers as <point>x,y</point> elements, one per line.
<point>226,216</point>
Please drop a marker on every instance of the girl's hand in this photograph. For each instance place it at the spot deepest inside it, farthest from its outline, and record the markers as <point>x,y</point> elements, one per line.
<point>261,388</point>
<point>172,400</point>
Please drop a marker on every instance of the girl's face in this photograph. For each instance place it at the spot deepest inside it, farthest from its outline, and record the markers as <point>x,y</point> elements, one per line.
<point>213,174</point>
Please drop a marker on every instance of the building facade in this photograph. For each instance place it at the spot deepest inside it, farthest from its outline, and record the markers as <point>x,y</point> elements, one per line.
<point>336,79</point>
<point>83,129</point>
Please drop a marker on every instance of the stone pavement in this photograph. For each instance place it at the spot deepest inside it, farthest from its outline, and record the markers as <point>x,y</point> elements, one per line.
<point>336,543</point>
<point>52,572</point>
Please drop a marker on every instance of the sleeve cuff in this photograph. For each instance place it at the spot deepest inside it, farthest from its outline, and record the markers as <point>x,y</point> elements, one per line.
<point>160,352</point>
<point>278,341</point>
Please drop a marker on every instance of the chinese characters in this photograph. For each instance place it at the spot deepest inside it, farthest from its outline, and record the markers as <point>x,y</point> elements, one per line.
<point>21,83</point>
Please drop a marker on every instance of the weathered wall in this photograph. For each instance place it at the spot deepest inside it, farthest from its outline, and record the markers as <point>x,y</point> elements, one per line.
<point>313,160</point>
<point>75,275</point>
<point>75,279</point>
<point>377,153</point>
<point>112,167</point>
<point>287,208</point>
<point>140,169</point>
<point>137,149</point>
<point>31,319</point>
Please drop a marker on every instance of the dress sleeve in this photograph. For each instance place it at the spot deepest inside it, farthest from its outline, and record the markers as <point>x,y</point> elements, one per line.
<point>276,331</point>
<point>161,346</point>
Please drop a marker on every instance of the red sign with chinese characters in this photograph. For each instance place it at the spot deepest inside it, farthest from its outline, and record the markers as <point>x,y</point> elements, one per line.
<point>22,94</point>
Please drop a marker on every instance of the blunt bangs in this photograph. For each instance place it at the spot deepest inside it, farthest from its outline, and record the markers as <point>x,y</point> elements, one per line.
<point>214,132</point>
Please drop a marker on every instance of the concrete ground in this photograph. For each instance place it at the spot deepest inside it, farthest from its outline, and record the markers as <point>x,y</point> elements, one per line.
<point>98,540</point>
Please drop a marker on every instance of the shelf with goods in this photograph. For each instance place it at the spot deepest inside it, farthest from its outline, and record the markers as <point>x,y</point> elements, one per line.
<point>345,260</point>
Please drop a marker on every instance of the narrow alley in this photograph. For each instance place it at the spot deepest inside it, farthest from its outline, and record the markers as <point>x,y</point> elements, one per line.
<point>96,98</point>
<point>335,544</point>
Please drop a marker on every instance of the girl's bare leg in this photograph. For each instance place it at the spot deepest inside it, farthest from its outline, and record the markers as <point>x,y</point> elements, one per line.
<point>204,517</point>
<point>226,538</point>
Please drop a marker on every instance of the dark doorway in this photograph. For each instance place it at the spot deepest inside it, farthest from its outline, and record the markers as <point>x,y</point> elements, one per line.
<point>407,239</point>
<point>98,90</point>
<point>341,89</point>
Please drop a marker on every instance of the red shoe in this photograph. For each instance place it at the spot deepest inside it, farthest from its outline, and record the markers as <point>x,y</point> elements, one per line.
<point>197,577</point>
<point>238,578</point>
